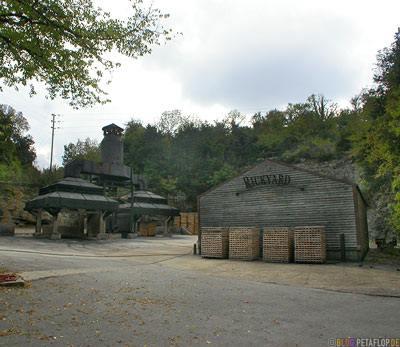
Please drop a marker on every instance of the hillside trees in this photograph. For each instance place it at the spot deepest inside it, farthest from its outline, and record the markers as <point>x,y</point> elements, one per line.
<point>65,44</point>
<point>183,156</point>
<point>16,147</point>
<point>307,130</point>
<point>16,161</point>
<point>377,143</point>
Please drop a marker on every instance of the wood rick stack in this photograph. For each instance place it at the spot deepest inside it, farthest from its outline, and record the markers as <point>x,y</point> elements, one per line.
<point>214,243</point>
<point>310,244</point>
<point>278,245</point>
<point>244,243</point>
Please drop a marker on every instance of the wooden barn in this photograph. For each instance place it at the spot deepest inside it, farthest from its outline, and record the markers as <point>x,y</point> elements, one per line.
<point>275,194</point>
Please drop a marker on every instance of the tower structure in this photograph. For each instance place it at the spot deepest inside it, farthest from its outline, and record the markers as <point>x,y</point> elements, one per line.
<point>112,149</point>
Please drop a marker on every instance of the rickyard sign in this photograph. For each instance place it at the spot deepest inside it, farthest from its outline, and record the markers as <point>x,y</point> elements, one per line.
<point>266,180</point>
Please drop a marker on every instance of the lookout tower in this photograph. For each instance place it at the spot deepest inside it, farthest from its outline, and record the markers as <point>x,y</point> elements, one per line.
<point>112,150</point>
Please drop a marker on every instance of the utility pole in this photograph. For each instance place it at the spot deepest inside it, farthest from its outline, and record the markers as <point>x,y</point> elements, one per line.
<point>52,140</point>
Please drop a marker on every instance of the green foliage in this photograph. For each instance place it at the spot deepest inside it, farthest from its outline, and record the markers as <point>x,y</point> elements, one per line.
<point>221,175</point>
<point>88,149</point>
<point>15,147</point>
<point>316,149</point>
<point>47,176</point>
<point>16,162</point>
<point>170,122</point>
<point>376,144</point>
<point>64,43</point>
<point>183,157</point>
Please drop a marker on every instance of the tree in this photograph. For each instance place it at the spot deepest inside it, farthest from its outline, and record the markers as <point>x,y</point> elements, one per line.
<point>376,146</point>
<point>272,133</point>
<point>88,149</point>
<point>170,122</point>
<point>323,108</point>
<point>64,43</point>
<point>14,144</point>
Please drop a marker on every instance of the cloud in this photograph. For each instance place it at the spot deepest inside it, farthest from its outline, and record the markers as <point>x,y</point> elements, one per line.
<point>238,54</point>
<point>262,54</point>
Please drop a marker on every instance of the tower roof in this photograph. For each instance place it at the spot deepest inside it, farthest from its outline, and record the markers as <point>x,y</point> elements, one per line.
<point>112,126</point>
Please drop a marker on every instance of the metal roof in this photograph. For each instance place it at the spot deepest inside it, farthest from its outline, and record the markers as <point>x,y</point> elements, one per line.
<point>73,185</point>
<point>146,196</point>
<point>71,193</point>
<point>58,200</point>
<point>149,209</point>
<point>110,126</point>
<point>147,203</point>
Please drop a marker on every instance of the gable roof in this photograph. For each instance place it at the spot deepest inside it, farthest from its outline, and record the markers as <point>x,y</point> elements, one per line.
<point>341,180</point>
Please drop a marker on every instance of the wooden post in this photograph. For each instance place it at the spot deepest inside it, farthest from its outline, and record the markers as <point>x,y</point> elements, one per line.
<point>38,226</point>
<point>166,221</point>
<point>132,228</point>
<point>54,231</point>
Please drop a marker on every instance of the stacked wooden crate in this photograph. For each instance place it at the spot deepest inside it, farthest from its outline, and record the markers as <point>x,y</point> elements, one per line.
<point>214,243</point>
<point>189,221</point>
<point>177,221</point>
<point>147,229</point>
<point>151,229</point>
<point>143,229</point>
<point>244,243</point>
<point>196,223</point>
<point>278,244</point>
<point>309,244</point>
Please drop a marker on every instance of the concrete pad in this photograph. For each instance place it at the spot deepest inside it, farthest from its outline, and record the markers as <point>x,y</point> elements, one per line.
<point>342,278</point>
<point>176,253</point>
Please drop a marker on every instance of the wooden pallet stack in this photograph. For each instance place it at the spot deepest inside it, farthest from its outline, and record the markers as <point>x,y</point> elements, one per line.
<point>215,243</point>
<point>151,229</point>
<point>183,218</point>
<point>309,244</point>
<point>177,221</point>
<point>244,243</point>
<point>147,229</point>
<point>143,229</point>
<point>278,245</point>
<point>189,221</point>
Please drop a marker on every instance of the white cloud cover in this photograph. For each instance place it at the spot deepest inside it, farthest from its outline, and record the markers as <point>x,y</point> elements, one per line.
<point>250,55</point>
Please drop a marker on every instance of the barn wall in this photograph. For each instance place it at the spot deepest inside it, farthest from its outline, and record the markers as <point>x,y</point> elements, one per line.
<point>362,223</point>
<point>308,200</point>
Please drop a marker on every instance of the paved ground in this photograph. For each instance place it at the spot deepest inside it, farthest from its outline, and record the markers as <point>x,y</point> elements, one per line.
<point>154,292</point>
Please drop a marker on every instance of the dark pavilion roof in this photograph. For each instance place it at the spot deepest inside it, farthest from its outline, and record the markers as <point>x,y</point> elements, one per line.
<point>73,185</point>
<point>149,204</point>
<point>71,193</point>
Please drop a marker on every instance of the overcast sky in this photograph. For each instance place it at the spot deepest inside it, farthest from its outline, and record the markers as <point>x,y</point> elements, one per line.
<point>248,55</point>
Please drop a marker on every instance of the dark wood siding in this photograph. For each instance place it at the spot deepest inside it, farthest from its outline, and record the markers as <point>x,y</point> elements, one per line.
<point>361,222</point>
<point>309,200</point>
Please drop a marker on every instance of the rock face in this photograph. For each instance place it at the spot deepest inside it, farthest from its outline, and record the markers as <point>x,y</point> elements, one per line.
<point>342,169</point>
<point>12,210</point>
